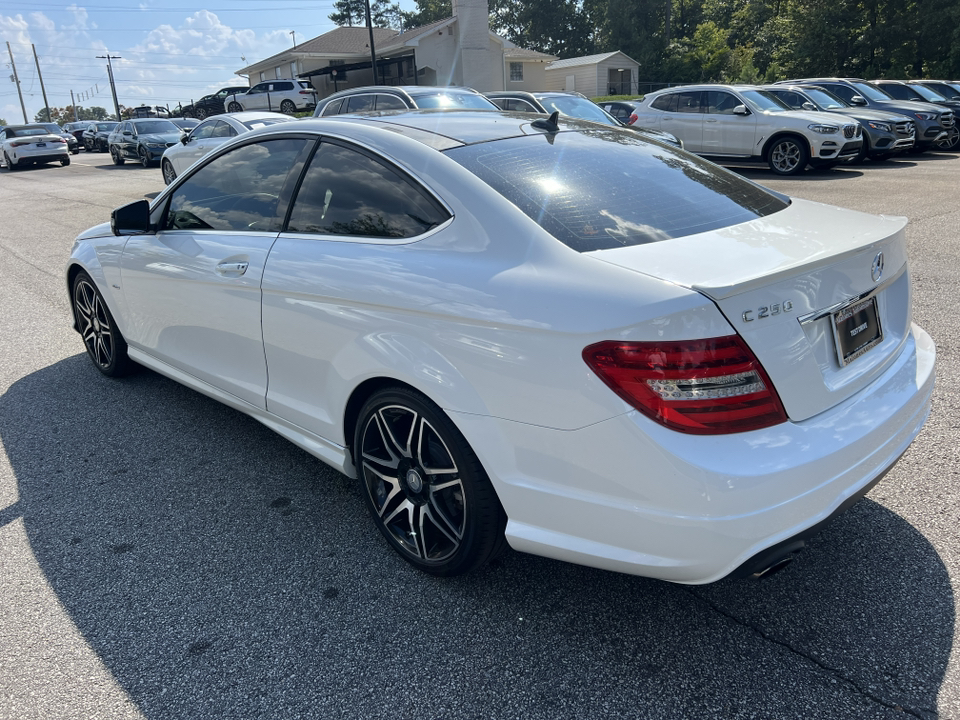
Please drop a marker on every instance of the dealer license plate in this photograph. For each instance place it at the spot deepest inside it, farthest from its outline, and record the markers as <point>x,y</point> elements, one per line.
<point>40,144</point>
<point>856,329</point>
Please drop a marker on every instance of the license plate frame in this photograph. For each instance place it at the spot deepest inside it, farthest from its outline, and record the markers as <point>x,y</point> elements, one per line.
<point>41,144</point>
<point>856,329</point>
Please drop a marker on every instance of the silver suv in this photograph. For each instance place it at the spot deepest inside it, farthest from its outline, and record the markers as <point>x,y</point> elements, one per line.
<point>286,96</point>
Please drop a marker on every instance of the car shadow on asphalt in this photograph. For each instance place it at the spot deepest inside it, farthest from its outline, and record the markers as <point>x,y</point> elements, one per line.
<point>210,565</point>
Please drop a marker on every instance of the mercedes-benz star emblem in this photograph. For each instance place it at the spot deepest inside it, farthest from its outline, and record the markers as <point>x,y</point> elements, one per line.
<point>876,270</point>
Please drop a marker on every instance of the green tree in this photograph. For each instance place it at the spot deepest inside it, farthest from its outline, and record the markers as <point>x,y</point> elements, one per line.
<point>353,13</point>
<point>3,121</point>
<point>556,27</point>
<point>428,11</point>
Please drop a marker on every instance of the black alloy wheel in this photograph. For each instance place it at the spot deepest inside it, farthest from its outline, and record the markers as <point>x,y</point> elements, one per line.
<point>201,114</point>
<point>235,107</point>
<point>288,107</point>
<point>144,157</point>
<point>951,141</point>
<point>169,174</point>
<point>424,486</point>
<point>788,155</point>
<point>117,157</point>
<point>103,341</point>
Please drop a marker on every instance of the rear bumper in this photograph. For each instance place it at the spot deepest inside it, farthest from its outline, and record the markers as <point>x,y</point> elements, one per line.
<point>631,496</point>
<point>22,159</point>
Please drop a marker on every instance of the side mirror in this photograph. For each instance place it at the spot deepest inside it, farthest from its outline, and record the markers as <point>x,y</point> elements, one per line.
<point>809,106</point>
<point>741,110</point>
<point>184,137</point>
<point>133,218</point>
<point>857,100</point>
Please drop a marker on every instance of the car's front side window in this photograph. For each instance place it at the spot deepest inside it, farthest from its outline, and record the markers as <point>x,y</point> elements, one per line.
<point>666,103</point>
<point>360,103</point>
<point>347,192</point>
<point>390,102</point>
<point>237,191</point>
<point>332,108</point>
<point>204,130</point>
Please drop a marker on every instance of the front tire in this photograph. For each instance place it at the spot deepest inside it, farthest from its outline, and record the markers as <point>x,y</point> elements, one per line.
<point>424,486</point>
<point>235,107</point>
<point>103,341</point>
<point>951,141</point>
<point>201,114</point>
<point>788,155</point>
<point>117,157</point>
<point>169,174</point>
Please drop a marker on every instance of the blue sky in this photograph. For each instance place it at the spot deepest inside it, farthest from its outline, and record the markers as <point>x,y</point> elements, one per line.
<point>170,52</point>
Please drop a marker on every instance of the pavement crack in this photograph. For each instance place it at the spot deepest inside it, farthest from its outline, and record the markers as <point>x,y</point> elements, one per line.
<point>835,672</point>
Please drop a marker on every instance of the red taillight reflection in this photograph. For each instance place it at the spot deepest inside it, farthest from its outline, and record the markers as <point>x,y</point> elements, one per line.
<point>632,120</point>
<point>705,387</point>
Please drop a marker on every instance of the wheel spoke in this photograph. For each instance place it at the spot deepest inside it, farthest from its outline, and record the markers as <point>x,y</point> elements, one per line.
<point>440,519</point>
<point>394,459</point>
<point>386,480</point>
<point>434,444</point>
<point>390,438</point>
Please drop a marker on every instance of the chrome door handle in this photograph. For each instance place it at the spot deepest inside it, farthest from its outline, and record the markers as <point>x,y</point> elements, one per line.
<point>232,268</point>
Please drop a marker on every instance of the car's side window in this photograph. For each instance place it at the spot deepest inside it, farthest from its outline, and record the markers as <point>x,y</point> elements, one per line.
<point>332,108</point>
<point>222,130</point>
<point>238,191</point>
<point>390,102</point>
<point>359,103</point>
<point>204,130</point>
<point>689,102</point>
<point>841,91</point>
<point>898,91</point>
<point>792,99</point>
<point>666,103</point>
<point>283,86</point>
<point>721,103</point>
<point>257,89</point>
<point>347,192</point>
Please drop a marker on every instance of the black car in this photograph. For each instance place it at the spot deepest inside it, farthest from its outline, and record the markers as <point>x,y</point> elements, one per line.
<point>210,104</point>
<point>72,145</point>
<point>95,137</point>
<point>572,105</point>
<point>142,139</point>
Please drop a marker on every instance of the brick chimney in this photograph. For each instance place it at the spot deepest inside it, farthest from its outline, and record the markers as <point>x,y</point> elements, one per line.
<point>473,30</point>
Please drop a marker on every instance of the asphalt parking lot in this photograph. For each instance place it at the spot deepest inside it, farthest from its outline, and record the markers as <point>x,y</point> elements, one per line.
<point>163,556</point>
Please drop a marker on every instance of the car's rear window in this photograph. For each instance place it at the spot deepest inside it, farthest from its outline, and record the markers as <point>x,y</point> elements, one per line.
<point>448,100</point>
<point>600,189</point>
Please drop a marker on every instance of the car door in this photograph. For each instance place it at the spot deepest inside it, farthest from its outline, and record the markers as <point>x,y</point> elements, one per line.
<point>686,120</point>
<point>193,288</point>
<point>128,144</point>
<point>195,147</point>
<point>256,97</point>
<point>353,214</point>
<point>724,132</point>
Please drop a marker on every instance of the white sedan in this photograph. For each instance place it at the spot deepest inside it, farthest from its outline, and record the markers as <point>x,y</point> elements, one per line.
<point>546,334</point>
<point>210,134</point>
<point>32,145</point>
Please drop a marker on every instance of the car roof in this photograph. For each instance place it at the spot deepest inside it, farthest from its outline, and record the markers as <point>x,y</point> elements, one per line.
<point>444,129</point>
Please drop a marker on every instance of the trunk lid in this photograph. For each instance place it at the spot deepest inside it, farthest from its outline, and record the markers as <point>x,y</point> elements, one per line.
<point>780,279</point>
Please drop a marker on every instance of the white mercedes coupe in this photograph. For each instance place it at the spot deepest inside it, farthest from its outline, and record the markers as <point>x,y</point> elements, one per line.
<point>548,334</point>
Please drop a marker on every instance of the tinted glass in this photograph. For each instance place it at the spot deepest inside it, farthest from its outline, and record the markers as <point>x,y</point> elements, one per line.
<point>152,127</point>
<point>900,92</point>
<point>871,91</point>
<point>332,108</point>
<point>667,103</point>
<point>688,102</point>
<point>53,127</point>
<point>764,100</point>
<point>27,131</point>
<point>794,100</point>
<point>345,192</point>
<point>927,94</point>
<point>105,127</point>
<point>721,103</point>
<point>390,102</point>
<point>842,91</point>
<point>826,99</point>
<point>223,130</point>
<point>283,86</point>
<point>600,189</point>
<point>577,107</point>
<point>360,103</point>
<point>946,90</point>
<point>237,191</point>
<point>453,100</point>
<point>205,130</point>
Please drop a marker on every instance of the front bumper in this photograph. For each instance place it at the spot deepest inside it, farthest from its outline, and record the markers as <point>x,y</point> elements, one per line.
<point>631,496</point>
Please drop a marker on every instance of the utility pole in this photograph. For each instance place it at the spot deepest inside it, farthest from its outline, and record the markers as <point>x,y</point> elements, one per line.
<point>108,57</point>
<point>373,52</point>
<point>294,33</point>
<point>76,118</point>
<point>43,90</point>
<point>16,79</point>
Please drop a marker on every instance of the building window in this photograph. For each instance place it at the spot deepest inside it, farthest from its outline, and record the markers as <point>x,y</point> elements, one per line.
<point>516,72</point>
<point>278,73</point>
<point>262,77</point>
<point>293,70</point>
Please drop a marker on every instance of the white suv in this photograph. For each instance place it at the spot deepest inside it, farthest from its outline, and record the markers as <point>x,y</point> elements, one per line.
<point>286,96</point>
<point>734,123</point>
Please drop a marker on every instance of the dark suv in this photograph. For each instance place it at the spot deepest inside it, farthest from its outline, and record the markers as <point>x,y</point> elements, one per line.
<point>902,90</point>
<point>884,133</point>
<point>933,122</point>
<point>372,98</point>
<point>210,104</point>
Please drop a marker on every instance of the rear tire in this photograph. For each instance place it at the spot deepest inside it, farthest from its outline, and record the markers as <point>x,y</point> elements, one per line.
<point>424,486</point>
<point>105,346</point>
<point>201,114</point>
<point>65,160</point>
<point>288,107</point>
<point>10,166</point>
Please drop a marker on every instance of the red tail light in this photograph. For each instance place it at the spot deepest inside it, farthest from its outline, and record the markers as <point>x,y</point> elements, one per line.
<point>704,387</point>
<point>633,119</point>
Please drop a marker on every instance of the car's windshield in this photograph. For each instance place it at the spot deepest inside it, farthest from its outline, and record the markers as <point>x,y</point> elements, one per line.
<point>453,100</point>
<point>577,107</point>
<point>764,101</point>
<point>53,127</point>
<point>927,93</point>
<point>263,122</point>
<point>606,188</point>
<point>871,92</point>
<point>103,127</point>
<point>825,99</point>
<point>27,131</point>
<point>156,127</point>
